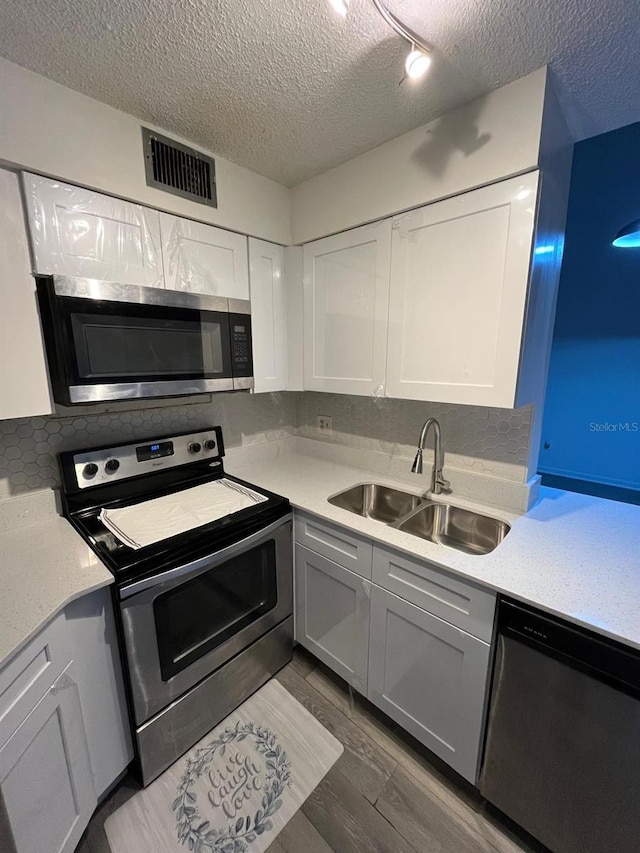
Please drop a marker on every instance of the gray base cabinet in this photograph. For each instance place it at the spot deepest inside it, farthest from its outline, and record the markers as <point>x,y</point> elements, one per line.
<point>332,615</point>
<point>430,677</point>
<point>45,774</point>
<point>64,729</point>
<point>414,640</point>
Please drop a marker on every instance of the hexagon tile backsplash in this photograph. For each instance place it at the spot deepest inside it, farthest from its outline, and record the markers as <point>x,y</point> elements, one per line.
<point>29,446</point>
<point>487,441</point>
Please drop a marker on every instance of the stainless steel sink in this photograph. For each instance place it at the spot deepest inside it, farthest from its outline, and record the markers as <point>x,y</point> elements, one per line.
<point>444,524</point>
<point>378,502</point>
<point>458,528</point>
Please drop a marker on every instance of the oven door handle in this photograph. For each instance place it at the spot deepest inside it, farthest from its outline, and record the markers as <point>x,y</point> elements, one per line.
<point>203,563</point>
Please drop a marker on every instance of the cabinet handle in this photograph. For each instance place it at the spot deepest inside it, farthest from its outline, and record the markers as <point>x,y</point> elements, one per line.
<point>61,684</point>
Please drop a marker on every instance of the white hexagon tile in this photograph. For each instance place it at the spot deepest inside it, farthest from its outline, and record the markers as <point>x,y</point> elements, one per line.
<point>478,439</point>
<point>29,446</point>
<point>475,438</point>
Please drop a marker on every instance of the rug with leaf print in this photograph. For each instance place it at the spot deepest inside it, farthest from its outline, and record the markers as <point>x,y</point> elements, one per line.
<point>236,788</point>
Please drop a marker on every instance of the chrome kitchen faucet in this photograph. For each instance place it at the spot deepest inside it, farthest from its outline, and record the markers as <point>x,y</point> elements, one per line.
<point>438,483</point>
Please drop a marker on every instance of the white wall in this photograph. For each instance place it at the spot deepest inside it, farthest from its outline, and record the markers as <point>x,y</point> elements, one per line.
<point>55,131</point>
<point>52,130</point>
<point>494,137</point>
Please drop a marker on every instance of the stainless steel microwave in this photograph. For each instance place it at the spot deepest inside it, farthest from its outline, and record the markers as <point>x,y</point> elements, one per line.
<point>108,341</point>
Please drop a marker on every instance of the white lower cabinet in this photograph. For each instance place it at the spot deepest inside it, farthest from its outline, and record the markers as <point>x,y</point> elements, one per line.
<point>430,677</point>
<point>45,775</point>
<point>64,728</point>
<point>426,671</point>
<point>332,615</point>
<point>93,642</point>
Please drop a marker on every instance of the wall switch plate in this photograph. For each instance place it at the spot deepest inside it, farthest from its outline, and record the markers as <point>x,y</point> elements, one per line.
<point>325,424</point>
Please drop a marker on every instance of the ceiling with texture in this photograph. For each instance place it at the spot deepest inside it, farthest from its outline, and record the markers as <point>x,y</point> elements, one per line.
<point>289,89</point>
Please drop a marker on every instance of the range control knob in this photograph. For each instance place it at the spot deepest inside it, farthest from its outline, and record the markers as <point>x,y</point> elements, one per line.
<point>111,466</point>
<point>210,444</point>
<point>195,447</point>
<point>90,470</point>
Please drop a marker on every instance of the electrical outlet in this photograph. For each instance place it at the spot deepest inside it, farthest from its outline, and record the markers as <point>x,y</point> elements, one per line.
<point>325,424</point>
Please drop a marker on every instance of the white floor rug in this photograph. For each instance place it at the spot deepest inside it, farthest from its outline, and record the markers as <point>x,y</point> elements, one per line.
<point>237,787</point>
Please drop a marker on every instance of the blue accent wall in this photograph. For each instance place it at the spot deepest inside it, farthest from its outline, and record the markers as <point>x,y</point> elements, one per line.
<point>591,427</point>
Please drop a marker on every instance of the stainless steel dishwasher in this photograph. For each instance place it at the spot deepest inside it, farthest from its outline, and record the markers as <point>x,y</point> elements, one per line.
<point>562,753</point>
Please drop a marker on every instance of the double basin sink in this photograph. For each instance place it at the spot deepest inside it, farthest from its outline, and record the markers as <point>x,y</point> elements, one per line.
<point>442,523</point>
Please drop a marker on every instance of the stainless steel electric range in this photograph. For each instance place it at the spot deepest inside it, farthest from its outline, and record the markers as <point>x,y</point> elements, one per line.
<point>205,616</point>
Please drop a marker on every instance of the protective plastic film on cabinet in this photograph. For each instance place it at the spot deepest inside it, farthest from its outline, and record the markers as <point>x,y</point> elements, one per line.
<point>201,258</point>
<point>81,233</point>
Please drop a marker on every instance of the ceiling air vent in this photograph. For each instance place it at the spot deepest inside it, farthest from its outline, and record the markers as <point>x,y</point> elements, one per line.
<point>176,169</point>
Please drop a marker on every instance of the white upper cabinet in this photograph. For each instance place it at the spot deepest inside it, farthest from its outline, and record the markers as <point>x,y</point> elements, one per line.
<point>268,316</point>
<point>78,232</point>
<point>23,392</point>
<point>459,281</point>
<point>203,259</point>
<point>346,294</point>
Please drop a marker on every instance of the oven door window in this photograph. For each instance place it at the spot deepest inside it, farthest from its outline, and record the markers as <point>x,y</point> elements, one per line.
<point>201,614</point>
<point>114,342</point>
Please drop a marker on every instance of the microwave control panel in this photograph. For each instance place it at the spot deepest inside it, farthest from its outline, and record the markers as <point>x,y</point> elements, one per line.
<point>241,352</point>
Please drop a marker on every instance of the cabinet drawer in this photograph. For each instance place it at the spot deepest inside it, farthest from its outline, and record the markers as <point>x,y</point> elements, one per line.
<point>345,548</point>
<point>30,674</point>
<point>459,602</point>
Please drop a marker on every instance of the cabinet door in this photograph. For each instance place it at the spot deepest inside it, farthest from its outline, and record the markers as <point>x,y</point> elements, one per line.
<point>203,259</point>
<point>430,678</point>
<point>268,316</point>
<point>93,637</point>
<point>25,392</point>
<point>459,282</point>
<point>332,615</point>
<point>45,776</point>
<point>82,233</point>
<point>346,294</point>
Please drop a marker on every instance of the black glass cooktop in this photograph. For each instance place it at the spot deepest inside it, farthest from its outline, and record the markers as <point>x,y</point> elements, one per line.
<point>130,564</point>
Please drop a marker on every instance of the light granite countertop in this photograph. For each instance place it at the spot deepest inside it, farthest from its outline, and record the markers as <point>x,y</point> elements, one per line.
<point>44,564</point>
<point>571,555</point>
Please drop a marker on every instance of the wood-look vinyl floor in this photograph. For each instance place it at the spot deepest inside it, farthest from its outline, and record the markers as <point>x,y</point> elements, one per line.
<point>385,794</point>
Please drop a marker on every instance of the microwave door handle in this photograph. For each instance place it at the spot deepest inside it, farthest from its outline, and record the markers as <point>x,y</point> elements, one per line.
<point>203,563</point>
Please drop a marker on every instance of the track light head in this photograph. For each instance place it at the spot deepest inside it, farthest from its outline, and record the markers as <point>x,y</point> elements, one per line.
<point>417,63</point>
<point>340,6</point>
<point>419,59</point>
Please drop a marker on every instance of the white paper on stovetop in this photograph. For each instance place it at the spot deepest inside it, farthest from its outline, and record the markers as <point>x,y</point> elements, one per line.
<point>152,521</point>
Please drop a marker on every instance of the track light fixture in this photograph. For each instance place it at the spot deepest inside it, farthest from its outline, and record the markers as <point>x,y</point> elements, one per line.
<point>419,59</point>
<point>341,6</point>
<point>417,63</point>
